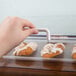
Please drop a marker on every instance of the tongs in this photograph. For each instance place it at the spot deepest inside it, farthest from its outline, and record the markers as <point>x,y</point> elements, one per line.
<point>47,33</point>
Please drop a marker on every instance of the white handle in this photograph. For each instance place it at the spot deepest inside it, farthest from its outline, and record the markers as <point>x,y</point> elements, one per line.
<point>47,33</point>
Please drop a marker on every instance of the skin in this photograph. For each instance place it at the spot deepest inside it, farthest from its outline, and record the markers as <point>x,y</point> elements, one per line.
<point>13,32</point>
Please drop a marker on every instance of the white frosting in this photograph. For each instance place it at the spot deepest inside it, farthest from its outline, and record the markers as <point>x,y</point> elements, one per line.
<point>44,51</point>
<point>74,50</point>
<point>32,45</point>
<point>59,44</point>
<point>54,50</point>
<point>14,52</point>
<point>49,48</point>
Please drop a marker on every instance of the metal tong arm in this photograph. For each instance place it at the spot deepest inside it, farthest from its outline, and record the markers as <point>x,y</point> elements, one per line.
<point>47,33</point>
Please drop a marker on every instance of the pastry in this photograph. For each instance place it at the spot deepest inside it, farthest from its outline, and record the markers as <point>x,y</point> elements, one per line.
<point>52,50</point>
<point>74,52</point>
<point>25,49</point>
<point>60,45</point>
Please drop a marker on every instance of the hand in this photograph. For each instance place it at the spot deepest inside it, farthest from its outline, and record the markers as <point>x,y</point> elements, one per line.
<point>13,32</point>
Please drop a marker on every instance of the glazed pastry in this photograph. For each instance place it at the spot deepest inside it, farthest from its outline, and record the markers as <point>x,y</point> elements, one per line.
<point>52,50</point>
<point>59,45</point>
<point>74,52</point>
<point>25,49</point>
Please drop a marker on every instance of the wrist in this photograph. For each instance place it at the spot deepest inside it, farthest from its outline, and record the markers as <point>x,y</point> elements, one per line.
<point>4,47</point>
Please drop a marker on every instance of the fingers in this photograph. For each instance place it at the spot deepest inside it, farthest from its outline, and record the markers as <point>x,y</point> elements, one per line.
<point>30,31</point>
<point>28,24</point>
<point>21,23</point>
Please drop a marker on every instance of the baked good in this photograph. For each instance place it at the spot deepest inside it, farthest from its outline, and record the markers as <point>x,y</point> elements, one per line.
<point>25,49</point>
<point>74,52</point>
<point>52,50</point>
<point>59,45</point>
